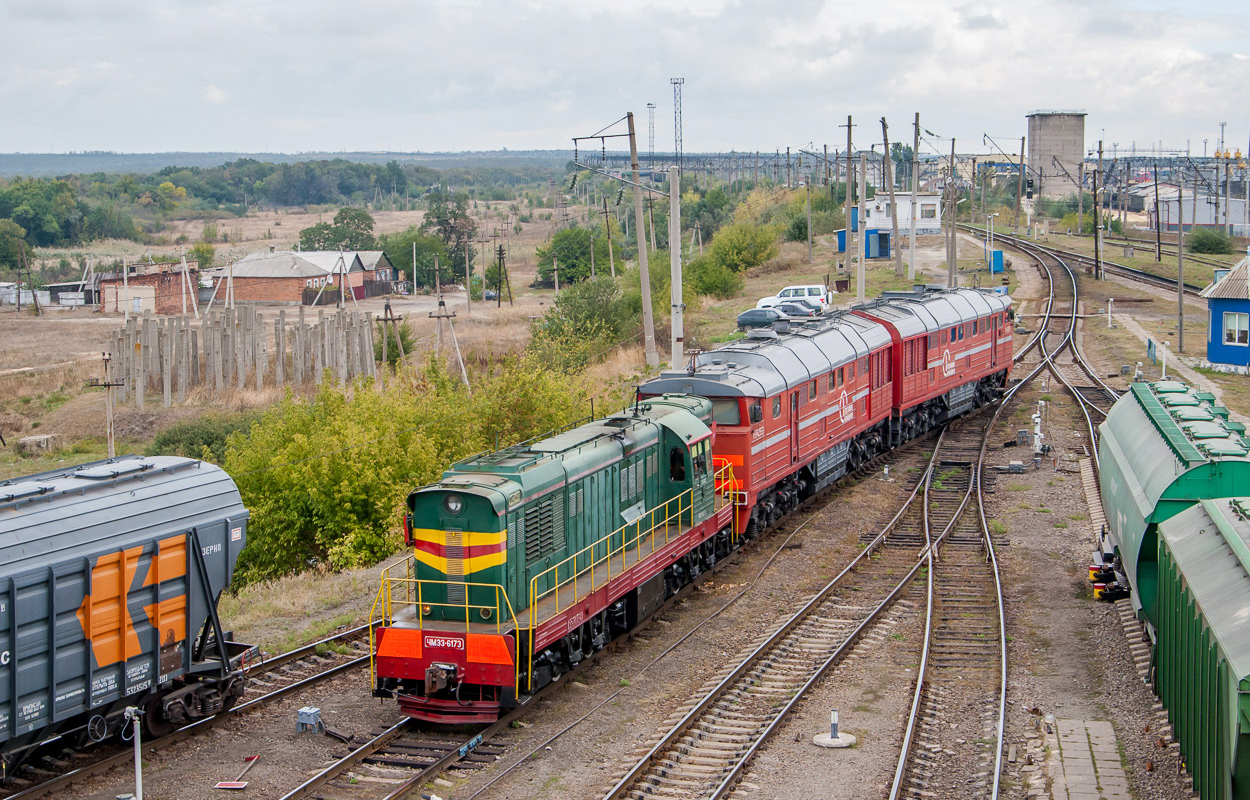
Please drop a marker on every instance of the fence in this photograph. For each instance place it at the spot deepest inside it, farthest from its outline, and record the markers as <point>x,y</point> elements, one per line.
<point>233,349</point>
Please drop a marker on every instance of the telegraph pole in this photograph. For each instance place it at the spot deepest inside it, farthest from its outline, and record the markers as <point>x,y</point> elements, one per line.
<point>860,273</point>
<point>674,256</point>
<point>850,170</point>
<point>808,197</point>
<point>1158,219</point>
<point>1180,260</point>
<point>915,187</point>
<point>889,179</point>
<point>1097,250</point>
<point>648,320</point>
<point>1015,222</point>
<point>1080,196</point>
<point>952,243</point>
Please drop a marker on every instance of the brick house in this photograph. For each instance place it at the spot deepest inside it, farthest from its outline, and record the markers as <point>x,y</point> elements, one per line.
<point>159,288</point>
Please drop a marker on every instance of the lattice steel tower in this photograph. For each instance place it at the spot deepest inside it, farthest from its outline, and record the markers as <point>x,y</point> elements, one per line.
<point>677,82</point>
<point>651,134</point>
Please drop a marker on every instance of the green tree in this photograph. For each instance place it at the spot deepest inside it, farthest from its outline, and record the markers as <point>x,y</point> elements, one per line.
<point>447,217</point>
<point>572,249</point>
<point>588,319</point>
<point>355,227</point>
<point>11,234</point>
<point>743,245</point>
<point>202,252</point>
<point>352,229</point>
<point>400,248</point>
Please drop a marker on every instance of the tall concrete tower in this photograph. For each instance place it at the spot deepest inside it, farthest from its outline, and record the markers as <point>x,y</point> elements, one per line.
<point>1056,136</point>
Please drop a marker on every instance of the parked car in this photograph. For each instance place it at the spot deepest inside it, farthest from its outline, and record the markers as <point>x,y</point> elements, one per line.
<point>820,294</point>
<point>759,318</point>
<point>794,310</point>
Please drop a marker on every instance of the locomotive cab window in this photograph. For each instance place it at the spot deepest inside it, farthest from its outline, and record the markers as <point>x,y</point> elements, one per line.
<point>725,411</point>
<point>756,412</point>
<point>811,390</point>
<point>699,453</point>
<point>677,465</point>
<point>776,406</point>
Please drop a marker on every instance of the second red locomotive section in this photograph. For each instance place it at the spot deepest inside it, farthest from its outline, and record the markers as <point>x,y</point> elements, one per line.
<point>527,560</point>
<point>795,411</point>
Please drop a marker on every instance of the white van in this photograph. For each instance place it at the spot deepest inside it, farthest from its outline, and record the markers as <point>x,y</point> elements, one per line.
<point>815,293</point>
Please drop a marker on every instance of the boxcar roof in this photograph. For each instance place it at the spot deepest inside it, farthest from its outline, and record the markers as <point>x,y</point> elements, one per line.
<point>931,308</point>
<point>762,367</point>
<point>119,503</point>
<point>1211,544</point>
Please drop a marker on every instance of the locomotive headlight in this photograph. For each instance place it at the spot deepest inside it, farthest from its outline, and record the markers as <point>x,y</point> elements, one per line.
<point>453,504</point>
<point>426,610</point>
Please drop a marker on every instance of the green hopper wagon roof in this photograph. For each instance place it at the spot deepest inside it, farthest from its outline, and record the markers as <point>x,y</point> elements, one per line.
<point>1210,542</point>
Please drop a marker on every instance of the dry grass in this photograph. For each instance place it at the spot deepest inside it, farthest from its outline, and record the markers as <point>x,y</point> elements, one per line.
<point>286,613</point>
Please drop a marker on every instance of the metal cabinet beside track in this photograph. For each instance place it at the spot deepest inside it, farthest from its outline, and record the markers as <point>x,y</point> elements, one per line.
<point>109,578</point>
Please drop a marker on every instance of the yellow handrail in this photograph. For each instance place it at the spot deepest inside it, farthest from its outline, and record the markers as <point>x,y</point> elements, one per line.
<point>417,587</point>
<point>663,516</point>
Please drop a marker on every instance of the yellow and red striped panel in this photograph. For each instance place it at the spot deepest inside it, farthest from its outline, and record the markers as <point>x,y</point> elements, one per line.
<point>481,550</point>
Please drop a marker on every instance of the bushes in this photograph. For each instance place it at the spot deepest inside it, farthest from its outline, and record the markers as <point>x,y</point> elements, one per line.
<point>325,478</point>
<point>1208,240</point>
<point>710,277</point>
<point>744,245</point>
<point>587,319</point>
<point>204,438</point>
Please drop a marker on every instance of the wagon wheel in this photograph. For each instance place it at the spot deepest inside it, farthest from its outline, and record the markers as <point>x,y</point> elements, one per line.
<point>155,724</point>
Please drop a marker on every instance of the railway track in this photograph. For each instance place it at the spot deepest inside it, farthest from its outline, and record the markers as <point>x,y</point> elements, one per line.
<point>711,739</point>
<point>398,761</point>
<point>275,678</point>
<point>954,729</point>
<point>1123,270</point>
<point>1094,396</point>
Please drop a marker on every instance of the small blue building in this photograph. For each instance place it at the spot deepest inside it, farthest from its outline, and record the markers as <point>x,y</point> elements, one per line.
<point>1228,318</point>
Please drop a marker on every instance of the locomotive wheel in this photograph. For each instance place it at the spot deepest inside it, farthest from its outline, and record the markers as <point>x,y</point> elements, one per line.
<point>155,724</point>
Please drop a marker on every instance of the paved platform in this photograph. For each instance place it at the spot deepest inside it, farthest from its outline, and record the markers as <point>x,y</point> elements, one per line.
<point>1087,766</point>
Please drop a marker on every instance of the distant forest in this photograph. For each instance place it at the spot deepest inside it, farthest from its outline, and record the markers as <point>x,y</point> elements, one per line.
<point>77,208</point>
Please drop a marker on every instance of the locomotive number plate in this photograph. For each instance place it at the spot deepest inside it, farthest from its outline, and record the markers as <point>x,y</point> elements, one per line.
<point>444,642</point>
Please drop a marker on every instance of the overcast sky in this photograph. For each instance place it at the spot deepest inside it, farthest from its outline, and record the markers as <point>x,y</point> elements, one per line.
<point>285,76</point>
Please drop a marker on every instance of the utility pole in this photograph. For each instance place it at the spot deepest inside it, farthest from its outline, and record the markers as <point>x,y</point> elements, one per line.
<point>1097,249</point>
<point>915,187</point>
<point>849,170</point>
<point>644,275</point>
<point>1158,220</point>
<point>1180,261</point>
<point>788,180</point>
<point>608,228</point>
<point>889,180</point>
<point>1080,196</point>
<point>952,243</point>
<point>674,260</point>
<point>108,384</point>
<point>651,218</point>
<point>1015,221</point>
<point>861,273</point>
<point>828,181</point>
<point>808,199</point>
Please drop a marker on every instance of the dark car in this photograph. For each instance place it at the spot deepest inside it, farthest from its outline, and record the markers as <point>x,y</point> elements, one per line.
<point>795,309</point>
<point>814,305</point>
<point>759,318</point>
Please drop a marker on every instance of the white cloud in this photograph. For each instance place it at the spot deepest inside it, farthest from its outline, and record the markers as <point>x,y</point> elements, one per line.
<point>532,73</point>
